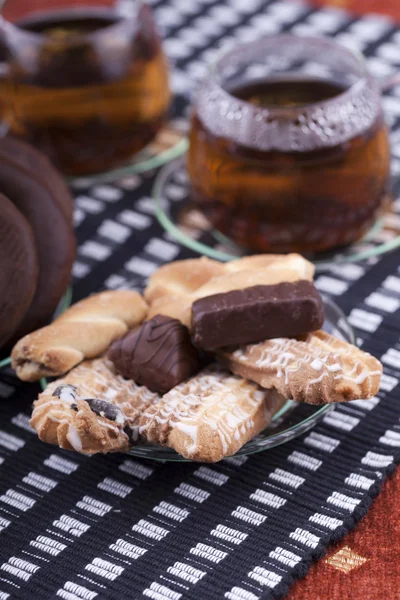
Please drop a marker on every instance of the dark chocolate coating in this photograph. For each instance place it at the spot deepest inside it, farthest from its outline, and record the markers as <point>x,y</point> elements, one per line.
<point>18,268</point>
<point>103,408</point>
<point>35,195</point>
<point>256,314</point>
<point>159,354</point>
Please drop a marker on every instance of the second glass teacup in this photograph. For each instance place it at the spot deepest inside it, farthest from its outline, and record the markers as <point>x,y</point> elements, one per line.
<point>288,147</point>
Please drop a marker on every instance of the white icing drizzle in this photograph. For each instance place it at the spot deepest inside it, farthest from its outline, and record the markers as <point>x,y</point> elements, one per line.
<point>280,362</point>
<point>107,425</point>
<point>334,368</point>
<point>317,380</point>
<point>215,401</point>
<point>94,379</point>
<point>294,360</point>
<point>74,439</point>
<point>190,431</point>
<point>55,419</point>
<point>120,418</point>
<point>68,393</point>
<point>317,364</point>
<point>109,395</point>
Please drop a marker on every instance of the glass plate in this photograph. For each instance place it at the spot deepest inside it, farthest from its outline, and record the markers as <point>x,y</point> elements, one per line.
<point>291,420</point>
<point>189,227</point>
<point>169,143</point>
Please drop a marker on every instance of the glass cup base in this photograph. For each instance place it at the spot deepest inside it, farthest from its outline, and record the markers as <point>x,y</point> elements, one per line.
<point>184,222</point>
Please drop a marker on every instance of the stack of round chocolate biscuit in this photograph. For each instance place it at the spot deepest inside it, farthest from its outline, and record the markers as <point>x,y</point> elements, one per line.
<point>37,240</point>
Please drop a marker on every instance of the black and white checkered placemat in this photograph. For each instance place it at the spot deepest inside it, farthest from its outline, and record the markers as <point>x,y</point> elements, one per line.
<point>111,527</point>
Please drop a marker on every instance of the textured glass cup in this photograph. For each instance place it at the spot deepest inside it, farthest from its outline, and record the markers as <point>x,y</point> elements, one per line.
<point>288,146</point>
<point>85,84</point>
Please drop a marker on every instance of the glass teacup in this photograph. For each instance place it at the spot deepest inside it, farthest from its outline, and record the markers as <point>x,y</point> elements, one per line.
<point>85,84</point>
<point>288,146</point>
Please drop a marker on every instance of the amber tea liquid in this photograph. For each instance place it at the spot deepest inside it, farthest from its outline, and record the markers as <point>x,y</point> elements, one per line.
<point>282,201</point>
<point>89,102</point>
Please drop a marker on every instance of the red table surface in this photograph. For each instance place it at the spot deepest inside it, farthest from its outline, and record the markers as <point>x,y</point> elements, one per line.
<point>365,564</point>
<point>14,9</point>
<point>389,7</point>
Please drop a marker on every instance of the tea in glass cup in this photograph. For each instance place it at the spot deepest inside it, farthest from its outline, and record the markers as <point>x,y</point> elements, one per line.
<point>288,147</point>
<point>84,84</point>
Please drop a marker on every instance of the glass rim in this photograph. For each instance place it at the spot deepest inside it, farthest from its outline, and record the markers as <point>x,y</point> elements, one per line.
<point>365,78</point>
<point>83,9</point>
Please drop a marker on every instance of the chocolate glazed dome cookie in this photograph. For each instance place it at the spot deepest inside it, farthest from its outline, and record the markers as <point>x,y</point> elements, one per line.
<point>40,196</point>
<point>18,268</point>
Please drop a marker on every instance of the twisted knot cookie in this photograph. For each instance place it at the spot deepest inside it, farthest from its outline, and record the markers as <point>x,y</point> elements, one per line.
<point>85,330</point>
<point>91,410</point>
<point>316,369</point>
<point>172,290</point>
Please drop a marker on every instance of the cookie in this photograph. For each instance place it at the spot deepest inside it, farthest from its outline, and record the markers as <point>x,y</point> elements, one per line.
<point>257,313</point>
<point>317,368</point>
<point>18,268</point>
<point>85,330</point>
<point>54,237</point>
<point>210,416</point>
<point>91,410</point>
<point>159,354</point>
<point>26,158</point>
<point>174,288</point>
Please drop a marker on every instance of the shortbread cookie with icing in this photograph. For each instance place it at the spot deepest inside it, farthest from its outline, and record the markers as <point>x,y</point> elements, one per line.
<point>85,330</point>
<point>317,369</point>
<point>91,410</point>
<point>210,416</point>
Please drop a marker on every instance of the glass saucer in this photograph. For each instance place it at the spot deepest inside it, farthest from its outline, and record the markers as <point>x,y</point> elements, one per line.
<point>291,420</point>
<point>189,227</point>
<point>170,143</point>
